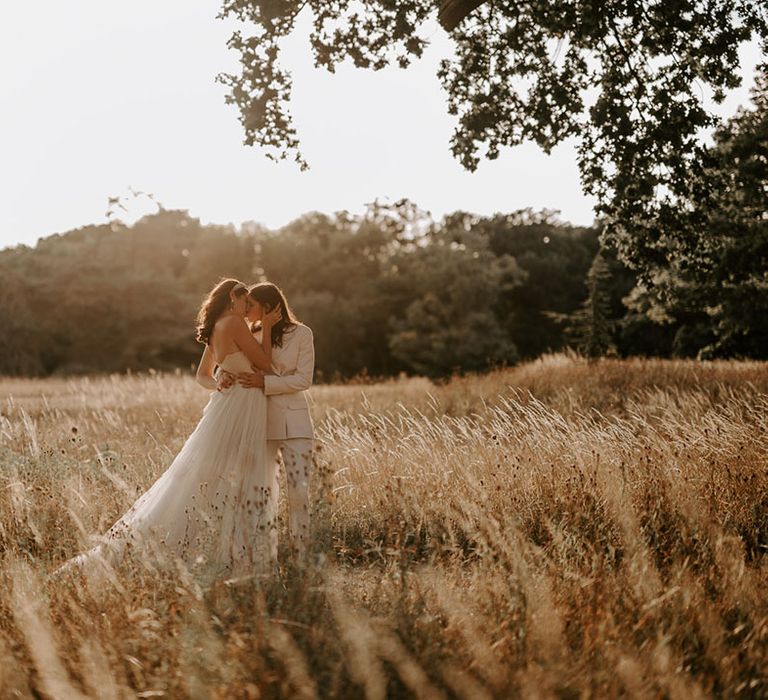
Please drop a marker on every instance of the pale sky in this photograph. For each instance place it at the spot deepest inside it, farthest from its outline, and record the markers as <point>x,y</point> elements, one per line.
<point>98,95</point>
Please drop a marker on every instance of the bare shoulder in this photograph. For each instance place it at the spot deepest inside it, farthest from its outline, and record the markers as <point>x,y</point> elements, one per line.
<point>227,320</point>
<point>231,325</point>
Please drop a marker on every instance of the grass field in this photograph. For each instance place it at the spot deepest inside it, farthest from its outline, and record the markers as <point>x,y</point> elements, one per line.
<point>559,529</point>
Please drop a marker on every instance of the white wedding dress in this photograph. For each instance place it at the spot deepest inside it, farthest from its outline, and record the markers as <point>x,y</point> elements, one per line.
<point>215,507</point>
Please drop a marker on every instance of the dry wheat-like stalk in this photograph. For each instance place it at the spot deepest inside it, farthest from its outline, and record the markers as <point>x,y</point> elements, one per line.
<point>558,528</point>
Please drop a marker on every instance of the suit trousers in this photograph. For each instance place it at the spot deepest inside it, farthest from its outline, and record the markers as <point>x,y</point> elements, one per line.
<point>297,461</point>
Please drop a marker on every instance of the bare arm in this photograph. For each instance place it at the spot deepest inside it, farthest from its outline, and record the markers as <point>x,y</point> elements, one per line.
<point>205,369</point>
<point>258,354</point>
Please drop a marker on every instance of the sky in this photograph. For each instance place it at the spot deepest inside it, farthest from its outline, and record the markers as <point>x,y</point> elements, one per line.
<point>97,97</point>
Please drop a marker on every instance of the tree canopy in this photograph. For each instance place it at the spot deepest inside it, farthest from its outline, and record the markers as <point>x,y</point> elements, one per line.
<point>628,81</point>
<point>386,291</point>
<point>713,270</point>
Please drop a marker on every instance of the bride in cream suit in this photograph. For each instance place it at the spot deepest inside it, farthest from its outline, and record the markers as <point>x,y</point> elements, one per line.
<point>289,426</point>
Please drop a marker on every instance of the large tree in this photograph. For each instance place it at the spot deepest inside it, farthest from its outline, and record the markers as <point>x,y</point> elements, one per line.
<point>627,80</point>
<point>713,275</point>
<point>455,284</point>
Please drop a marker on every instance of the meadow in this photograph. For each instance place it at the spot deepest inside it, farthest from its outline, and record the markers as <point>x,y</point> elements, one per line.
<point>558,529</point>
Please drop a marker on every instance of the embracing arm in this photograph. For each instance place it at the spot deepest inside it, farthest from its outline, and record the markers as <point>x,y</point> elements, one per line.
<point>301,378</point>
<point>259,354</point>
<point>205,369</point>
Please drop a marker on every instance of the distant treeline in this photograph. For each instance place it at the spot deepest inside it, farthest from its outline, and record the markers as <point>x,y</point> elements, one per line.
<point>387,291</point>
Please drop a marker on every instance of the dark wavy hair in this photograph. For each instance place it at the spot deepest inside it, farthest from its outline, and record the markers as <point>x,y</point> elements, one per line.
<point>215,304</point>
<point>270,296</point>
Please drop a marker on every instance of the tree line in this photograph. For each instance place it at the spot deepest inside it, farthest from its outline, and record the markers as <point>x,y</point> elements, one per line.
<point>387,291</point>
<point>393,290</point>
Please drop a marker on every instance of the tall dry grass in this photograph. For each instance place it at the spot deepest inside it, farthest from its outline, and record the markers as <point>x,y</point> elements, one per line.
<point>559,529</point>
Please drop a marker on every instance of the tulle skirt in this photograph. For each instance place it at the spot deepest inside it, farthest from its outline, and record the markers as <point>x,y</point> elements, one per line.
<point>215,507</point>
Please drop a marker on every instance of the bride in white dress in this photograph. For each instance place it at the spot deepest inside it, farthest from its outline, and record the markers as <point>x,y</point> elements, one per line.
<point>215,506</point>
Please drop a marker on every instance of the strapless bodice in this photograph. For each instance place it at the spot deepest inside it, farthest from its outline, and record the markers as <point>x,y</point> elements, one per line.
<point>236,362</point>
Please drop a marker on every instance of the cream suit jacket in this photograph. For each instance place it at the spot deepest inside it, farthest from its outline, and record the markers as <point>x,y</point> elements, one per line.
<point>293,365</point>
